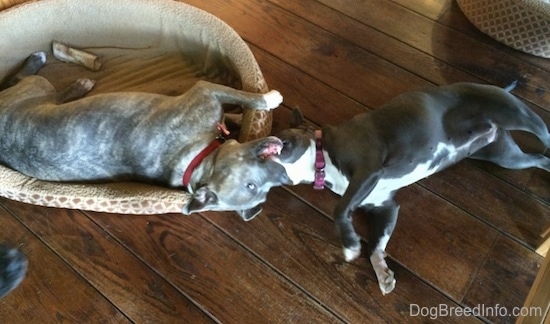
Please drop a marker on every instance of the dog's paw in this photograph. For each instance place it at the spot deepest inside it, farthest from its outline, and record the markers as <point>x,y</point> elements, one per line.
<point>33,64</point>
<point>385,277</point>
<point>386,281</point>
<point>273,99</point>
<point>77,90</point>
<point>352,253</point>
<point>38,58</point>
<point>84,84</point>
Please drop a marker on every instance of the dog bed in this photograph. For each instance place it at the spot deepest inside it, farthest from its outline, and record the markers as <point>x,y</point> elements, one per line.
<point>159,46</point>
<point>520,24</point>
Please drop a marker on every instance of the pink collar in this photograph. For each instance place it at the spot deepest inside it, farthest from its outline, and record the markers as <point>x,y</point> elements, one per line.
<point>319,182</point>
<point>204,153</point>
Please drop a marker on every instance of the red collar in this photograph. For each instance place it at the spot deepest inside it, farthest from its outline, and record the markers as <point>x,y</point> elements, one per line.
<point>204,153</point>
<point>319,182</point>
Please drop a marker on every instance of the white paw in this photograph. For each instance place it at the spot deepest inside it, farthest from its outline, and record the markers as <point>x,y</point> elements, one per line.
<point>40,56</point>
<point>273,99</point>
<point>385,277</point>
<point>386,282</point>
<point>352,253</point>
<point>85,84</point>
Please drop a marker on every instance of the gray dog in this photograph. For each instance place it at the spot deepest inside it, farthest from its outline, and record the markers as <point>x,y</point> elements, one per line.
<point>173,141</point>
<point>138,136</point>
<point>368,158</point>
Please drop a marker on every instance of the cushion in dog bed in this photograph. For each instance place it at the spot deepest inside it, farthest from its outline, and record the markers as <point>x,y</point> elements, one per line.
<point>159,46</point>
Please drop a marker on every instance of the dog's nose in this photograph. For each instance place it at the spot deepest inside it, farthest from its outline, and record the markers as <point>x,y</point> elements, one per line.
<point>249,214</point>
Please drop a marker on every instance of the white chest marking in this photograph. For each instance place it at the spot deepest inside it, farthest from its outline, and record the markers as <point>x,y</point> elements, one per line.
<point>303,171</point>
<point>384,188</point>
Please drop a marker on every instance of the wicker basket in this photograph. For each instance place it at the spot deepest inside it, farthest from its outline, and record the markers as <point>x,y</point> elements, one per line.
<point>4,4</point>
<point>116,31</point>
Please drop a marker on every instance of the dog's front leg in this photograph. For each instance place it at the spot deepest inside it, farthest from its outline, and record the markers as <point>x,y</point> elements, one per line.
<point>31,66</point>
<point>382,222</point>
<point>76,90</point>
<point>355,194</point>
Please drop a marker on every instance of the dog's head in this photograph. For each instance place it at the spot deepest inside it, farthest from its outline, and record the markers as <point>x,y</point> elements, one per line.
<point>298,154</point>
<point>240,178</point>
<point>296,139</point>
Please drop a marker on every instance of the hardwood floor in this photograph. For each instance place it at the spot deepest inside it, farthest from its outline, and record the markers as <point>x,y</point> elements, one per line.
<point>465,237</point>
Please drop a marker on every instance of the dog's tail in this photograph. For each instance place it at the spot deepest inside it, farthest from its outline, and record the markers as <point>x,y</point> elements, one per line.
<point>511,86</point>
<point>13,267</point>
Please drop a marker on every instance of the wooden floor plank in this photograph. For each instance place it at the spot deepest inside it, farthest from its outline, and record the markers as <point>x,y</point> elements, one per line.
<point>430,9</point>
<point>500,268</point>
<point>118,275</point>
<point>502,205</point>
<point>212,269</point>
<point>432,231</point>
<point>52,291</point>
<point>538,185</point>
<point>359,32</point>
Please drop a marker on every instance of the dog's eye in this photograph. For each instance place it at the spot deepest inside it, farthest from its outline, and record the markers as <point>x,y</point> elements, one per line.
<point>251,186</point>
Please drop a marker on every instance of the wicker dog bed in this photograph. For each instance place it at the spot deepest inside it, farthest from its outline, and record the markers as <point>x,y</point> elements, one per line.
<point>520,24</point>
<point>160,46</point>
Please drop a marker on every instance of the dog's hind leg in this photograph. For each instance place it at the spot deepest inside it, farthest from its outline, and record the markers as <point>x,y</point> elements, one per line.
<point>31,66</point>
<point>76,90</point>
<point>513,114</point>
<point>382,222</point>
<point>505,152</point>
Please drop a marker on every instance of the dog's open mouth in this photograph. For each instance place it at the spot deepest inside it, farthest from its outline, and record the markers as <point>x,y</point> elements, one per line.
<point>275,147</point>
<point>286,150</point>
<point>272,147</point>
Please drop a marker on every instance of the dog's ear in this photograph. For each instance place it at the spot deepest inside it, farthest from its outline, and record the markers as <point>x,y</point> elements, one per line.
<point>202,198</point>
<point>297,120</point>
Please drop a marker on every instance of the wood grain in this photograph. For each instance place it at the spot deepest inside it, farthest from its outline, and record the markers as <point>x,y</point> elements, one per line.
<point>110,268</point>
<point>498,269</point>
<point>52,291</point>
<point>213,269</point>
